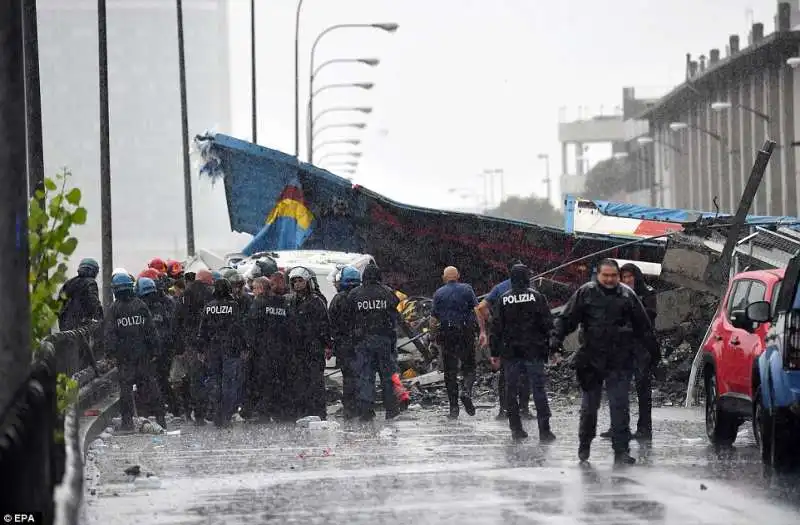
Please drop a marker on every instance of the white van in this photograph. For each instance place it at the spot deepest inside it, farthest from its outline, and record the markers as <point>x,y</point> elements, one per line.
<point>322,263</point>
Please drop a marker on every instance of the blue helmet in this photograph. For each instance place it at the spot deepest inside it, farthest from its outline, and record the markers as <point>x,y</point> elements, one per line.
<point>351,277</point>
<point>216,275</point>
<point>145,286</point>
<point>121,281</point>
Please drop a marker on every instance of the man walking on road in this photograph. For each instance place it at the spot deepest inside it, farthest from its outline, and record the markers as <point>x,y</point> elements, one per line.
<point>521,327</point>
<point>613,320</point>
<point>454,307</point>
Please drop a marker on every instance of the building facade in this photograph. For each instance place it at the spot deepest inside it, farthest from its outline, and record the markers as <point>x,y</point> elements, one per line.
<point>701,139</point>
<point>145,114</point>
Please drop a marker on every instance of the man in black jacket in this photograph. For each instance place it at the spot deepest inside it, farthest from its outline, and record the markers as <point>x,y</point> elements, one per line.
<point>613,320</point>
<point>371,313</point>
<point>520,335</point>
<point>646,360</point>
<point>81,298</point>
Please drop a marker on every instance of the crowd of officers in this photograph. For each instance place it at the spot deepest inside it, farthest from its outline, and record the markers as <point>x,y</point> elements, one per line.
<point>214,344</point>
<point>209,343</point>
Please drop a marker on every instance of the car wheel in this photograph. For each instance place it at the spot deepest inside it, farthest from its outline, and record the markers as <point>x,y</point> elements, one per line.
<point>721,427</point>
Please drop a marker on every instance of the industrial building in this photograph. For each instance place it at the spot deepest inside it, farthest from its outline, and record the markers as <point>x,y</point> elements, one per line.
<point>700,140</point>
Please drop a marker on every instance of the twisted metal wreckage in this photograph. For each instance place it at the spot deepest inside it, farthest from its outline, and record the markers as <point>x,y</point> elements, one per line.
<point>290,205</point>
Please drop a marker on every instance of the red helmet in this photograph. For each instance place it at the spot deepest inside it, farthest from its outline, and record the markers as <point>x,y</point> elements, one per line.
<point>174,269</point>
<point>158,264</point>
<point>150,273</point>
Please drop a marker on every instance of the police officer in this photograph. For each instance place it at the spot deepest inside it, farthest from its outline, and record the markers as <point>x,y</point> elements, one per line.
<point>269,331</point>
<point>521,327</point>
<point>612,320</point>
<point>222,336</point>
<point>371,313</point>
<point>483,311</point>
<point>161,311</point>
<point>131,336</point>
<point>454,307</point>
<point>348,279</point>
<point>188,315</point>
<point>81,298</point>
<point>311,344</point>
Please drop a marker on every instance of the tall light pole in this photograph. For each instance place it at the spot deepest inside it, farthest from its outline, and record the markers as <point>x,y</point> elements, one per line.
<point>345,154</point>
<point>105,156</point>
<point>354,125</point>
<point>15,356</point>
<point>546,158</point>
<point>297,79</point>
<point>187,175</point>
<point>388,27</point>
<point>359,85</point>
<point>351,142</point>
<point>33,97</point>
<point>253,69</point>
<point>340,109</point>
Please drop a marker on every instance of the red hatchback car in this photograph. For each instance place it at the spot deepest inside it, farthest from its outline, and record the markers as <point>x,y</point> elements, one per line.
<point>730,353</point>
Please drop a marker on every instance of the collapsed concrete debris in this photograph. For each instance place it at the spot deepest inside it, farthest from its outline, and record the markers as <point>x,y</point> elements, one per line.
<point>684,317</point>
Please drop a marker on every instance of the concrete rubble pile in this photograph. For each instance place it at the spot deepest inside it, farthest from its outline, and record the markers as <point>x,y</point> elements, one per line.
<point>684,317</point>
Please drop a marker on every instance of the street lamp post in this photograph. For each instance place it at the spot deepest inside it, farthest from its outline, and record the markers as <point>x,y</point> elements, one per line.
<point>107,262</point>
<point>351,142</point>
<point>15,351</point>
<point>388,27</point>
<point>354,125</point>
<point>364,110</point>
<point>345,154</point>
<point>33,97</point>
<point>651,140</point>
<point>359,85</point>
<point>297,80</point>
<point>546,158</point>
<point>253,68</point>
<point>187,174</point>
<point>677,126</point>
<point>723,105</point>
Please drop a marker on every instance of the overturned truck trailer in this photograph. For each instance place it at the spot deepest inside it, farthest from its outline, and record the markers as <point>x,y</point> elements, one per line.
<point>288,205</point>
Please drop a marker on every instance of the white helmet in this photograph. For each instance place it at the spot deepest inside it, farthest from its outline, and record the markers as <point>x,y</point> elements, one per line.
<point>300,273</point>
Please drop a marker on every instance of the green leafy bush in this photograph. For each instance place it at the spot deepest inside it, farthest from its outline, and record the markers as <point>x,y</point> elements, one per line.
<point>52,213</point>
<point>66,394</point>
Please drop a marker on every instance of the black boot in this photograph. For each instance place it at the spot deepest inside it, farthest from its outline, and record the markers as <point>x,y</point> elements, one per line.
<point>515,423</point>
<point>466,394</point>
<point>606,434</point>
<point>453,412</point>
<point>584,449</point>
<point>623,459</point>
<point>545,434</point>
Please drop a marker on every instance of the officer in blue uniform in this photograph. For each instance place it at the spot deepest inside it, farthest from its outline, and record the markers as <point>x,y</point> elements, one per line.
<point>454,308</point>
<point>349,278</point>
<point>131,337</point>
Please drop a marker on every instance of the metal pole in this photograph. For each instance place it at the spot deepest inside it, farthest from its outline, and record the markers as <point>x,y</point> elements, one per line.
<point>187,175</point>
<point>547,178</point>
<point>297,80</point>
<point>105,156</point>
<point>33,97</point>
<point>253,68</point>
<point>15,355</point>
<point>502,185</point>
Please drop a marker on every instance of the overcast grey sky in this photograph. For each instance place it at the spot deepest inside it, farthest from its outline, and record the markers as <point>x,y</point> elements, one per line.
<point>471,84</point>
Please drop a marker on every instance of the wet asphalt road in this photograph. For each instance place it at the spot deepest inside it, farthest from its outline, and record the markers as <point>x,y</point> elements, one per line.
<point>426,469</point>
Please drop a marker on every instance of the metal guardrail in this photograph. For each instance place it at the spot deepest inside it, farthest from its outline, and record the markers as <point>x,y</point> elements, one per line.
<point>32,464</point>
